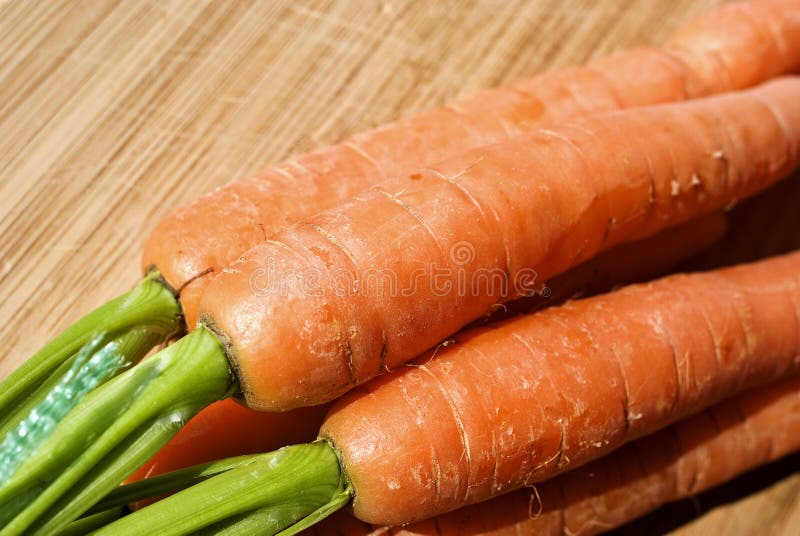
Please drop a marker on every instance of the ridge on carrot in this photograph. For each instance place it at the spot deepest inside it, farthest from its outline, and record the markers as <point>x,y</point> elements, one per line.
<point>573,384</point>
<point>570,201</point>
<point>195,242</point>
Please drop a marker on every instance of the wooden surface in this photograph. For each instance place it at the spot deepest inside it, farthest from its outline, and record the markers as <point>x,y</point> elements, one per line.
<point>111,113</point>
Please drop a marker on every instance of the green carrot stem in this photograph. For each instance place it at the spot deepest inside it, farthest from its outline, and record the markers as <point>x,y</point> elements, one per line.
<point>90,523</point>
<point>150,306</point>
<point>12,418</point>
<point>115,429</point>
<point>126,343</point>
<point>280,492</point>
<point>157,486</point>
<point>94,364</point>
<point>261,521</point>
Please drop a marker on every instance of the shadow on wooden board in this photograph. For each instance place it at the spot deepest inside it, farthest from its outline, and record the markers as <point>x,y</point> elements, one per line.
<point>677,514</point>
<point>765,225</point>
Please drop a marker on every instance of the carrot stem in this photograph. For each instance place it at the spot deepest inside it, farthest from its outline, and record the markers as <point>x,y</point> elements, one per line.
<point>150,306</point>
<point>168,482</point>
<point>281,492</point>
<point>90,523</point>
<point>91,367</point>
<point>111,432</point>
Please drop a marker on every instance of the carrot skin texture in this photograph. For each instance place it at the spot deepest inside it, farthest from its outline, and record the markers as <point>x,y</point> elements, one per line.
<point>687,458</point>
<point>741,43</point>
<point>528,209</point>
<point>576,382</point>
<point>192,245</point>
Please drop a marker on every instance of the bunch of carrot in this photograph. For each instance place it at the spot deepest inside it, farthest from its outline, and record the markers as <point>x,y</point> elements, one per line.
<point>189,247</point>
<point>509,406</point>
<point>733,47</point>
<point>512,404</point>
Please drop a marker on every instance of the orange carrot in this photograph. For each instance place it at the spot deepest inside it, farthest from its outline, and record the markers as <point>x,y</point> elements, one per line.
<point>735,46</point>
<point>365,287</point>
<point>510,406</point>
<point>681,461</point>
<point>310,314</point>
<point>195,242</point>
<point>335,342</point>
<point>226,429</point>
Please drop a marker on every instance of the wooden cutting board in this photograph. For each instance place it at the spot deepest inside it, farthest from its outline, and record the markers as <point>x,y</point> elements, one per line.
<point>113,112</point>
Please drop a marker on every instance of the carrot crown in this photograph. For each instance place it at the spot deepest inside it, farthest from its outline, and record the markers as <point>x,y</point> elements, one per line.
<point>135,321</point>
<point>116,428</point>
<point>282,492</point>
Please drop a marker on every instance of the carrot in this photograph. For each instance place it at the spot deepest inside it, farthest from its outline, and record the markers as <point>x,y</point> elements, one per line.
<point>732,47</point>
<point>712,47</point>
<point>681,461</point>
<point>508,407</point>
<point>363,288</point>
<point>196,241</point>
<point>308,340</point>
<point>687,458</point>
<point>226,429</point>
<point>704,336</point>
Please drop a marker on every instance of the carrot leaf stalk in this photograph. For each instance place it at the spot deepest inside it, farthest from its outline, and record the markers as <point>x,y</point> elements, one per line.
<point>281,492</point>
<point>111,432</point>
<point>91,366</point>
<point>150,308</point>
<point>90,523</point>
<point>114,505</point>
<point>173,481</point>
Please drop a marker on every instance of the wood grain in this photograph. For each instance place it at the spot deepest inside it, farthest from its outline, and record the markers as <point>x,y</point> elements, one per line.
<point>112,113</point>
